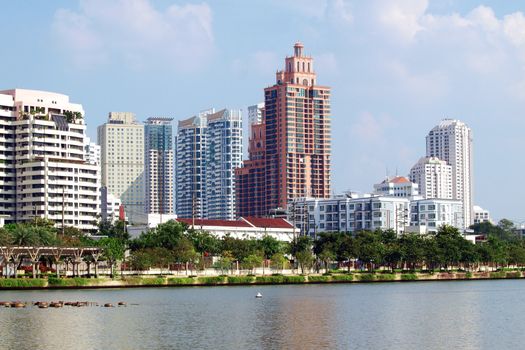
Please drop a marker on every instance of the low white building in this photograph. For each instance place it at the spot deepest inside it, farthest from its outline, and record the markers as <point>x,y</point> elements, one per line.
<point>349,213</point>
<point>427,215</point>
<point>249,227</point>
<point>109,206</point>
<point>481,215</point>
<point>398,186</point>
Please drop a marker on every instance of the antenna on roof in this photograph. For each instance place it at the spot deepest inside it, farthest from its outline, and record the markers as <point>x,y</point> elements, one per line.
<point>396,171</point>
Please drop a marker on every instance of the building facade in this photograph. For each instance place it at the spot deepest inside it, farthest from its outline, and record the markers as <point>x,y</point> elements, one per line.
<point>159,161</point>
<point>481,215</point>
<point>349,214</point>
<point>434,177</point>
<point>255,115</point>
<point>451,141</point>
<point>398,186</point>
<point>296,153</point>
<point>431,214</point>
<point>209,149</point>
<point>121,140</point>
<point>46,170</point>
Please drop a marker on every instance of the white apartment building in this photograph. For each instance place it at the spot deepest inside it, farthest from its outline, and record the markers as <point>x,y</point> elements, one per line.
<point>110,206</point>
<point>481,215</point>
<point>121,140</point>
<point>428,215</point>
<point>434,177</point>
<point>398,186</point>
<point>349,214</point>
<point>255,114</point>
<point>208,150</point>
<point>92,151</point>
<point>45,137</point>
<point>451,141</point>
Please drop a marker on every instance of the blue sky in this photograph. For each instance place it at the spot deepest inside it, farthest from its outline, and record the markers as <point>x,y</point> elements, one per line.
<point>396,68</point>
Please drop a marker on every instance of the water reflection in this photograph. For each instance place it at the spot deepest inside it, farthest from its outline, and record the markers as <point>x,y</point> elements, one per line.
<point>466,315</point>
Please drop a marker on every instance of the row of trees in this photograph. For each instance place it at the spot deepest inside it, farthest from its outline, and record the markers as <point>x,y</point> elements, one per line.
<point>174,244</point>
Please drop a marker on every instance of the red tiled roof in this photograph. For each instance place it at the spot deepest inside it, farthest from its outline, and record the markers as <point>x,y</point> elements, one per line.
<point>268,222</point>
<point>206,222</point>
<point>399,179</point>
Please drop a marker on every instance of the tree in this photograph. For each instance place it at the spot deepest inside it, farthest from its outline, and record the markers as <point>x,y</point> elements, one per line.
<point>269,246</point>
<point>327,256</point>
<point>141,260</point>
<point>113,252</point>
<point>183,252</point>
<point>204,243</point>
<point>347,249</point>
<point>252,261</point>
<point>369,248</point>
<point>6,237</point>
<point>412,249</point>
<point>278,261</point>
<point>224,263</point>
<point>305,259</point>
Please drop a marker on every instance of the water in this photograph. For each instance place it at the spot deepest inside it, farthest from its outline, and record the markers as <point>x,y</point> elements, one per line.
<point>429,315</point>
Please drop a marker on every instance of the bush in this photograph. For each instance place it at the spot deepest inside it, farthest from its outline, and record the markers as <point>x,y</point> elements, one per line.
<point>387,277</point>
<point>498,275</point>
<point>342,278</point>
<point>240,279</point>
<point>468,275</point>
<point>515,274</point>
<point>180,281</point>
<point>408,277</point>
<point>269,279</point>
<point>22,283</point>
<point>367,277</point>
<point>69,282</point>
<point>294,279</point>
<point>157,281</point>
<point>212,280</point>
<point>319,279</point>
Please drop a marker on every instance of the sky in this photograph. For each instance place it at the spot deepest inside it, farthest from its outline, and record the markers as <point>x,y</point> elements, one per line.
<point>396,68</point>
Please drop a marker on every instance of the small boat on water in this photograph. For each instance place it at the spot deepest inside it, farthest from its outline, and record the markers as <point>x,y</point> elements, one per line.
<point>258,295</point>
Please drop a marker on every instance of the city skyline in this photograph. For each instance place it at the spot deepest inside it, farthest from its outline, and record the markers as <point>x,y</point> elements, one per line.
<point>393,76</point>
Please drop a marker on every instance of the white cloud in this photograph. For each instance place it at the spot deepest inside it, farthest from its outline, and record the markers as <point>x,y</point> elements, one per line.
<point>136,34</point>
<point>264,63</point>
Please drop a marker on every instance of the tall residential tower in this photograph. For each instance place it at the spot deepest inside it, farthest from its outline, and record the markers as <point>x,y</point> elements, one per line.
<point>159,165</point>
<point>209,149</point>
<point>451,141</point>
<point>292,155</point>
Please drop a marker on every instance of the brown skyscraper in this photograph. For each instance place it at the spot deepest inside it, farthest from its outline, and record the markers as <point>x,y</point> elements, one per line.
<point>289,152</point>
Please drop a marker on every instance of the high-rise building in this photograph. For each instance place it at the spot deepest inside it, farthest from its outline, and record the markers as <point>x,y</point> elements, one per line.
<point>434,177</point>
<point>451,141</point>
<point>292,158</point>
<point>397,186</point>
<point>45,169</point>
<point>121,140</point>
<point>92,151</point>
<point>209,149</point>
<point>159,165</point>
<point>255,114</point>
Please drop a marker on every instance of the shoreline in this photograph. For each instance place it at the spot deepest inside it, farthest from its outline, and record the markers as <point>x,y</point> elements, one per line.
<point>246,280</point>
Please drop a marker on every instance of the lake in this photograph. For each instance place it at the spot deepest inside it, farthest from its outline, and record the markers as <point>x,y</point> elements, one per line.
<point>412,315</point>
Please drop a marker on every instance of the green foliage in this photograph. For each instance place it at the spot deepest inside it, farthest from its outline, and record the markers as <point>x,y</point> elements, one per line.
<point>69,282</point>
<point>319,279</point>
<point>181,281</point>
<point>22,283</point>
<point>269,279</point>
<point>269,246</point>
<point>306,259</point>
<point>499,274</point>
<point>514,274</point>
<point>409,277</point>
<point>386,277</point>
<point>367,277</point>
<point>343,278</point>
<point>293,279</point>
<point>468,275</point>
<point>240,279</point>
<point>155,281</point>
<point>252,261</point>
<point>212,280</point>
<point>278,261</point>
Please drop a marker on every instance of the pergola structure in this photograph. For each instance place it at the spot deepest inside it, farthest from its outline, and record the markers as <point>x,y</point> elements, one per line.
<point>14,255</point>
